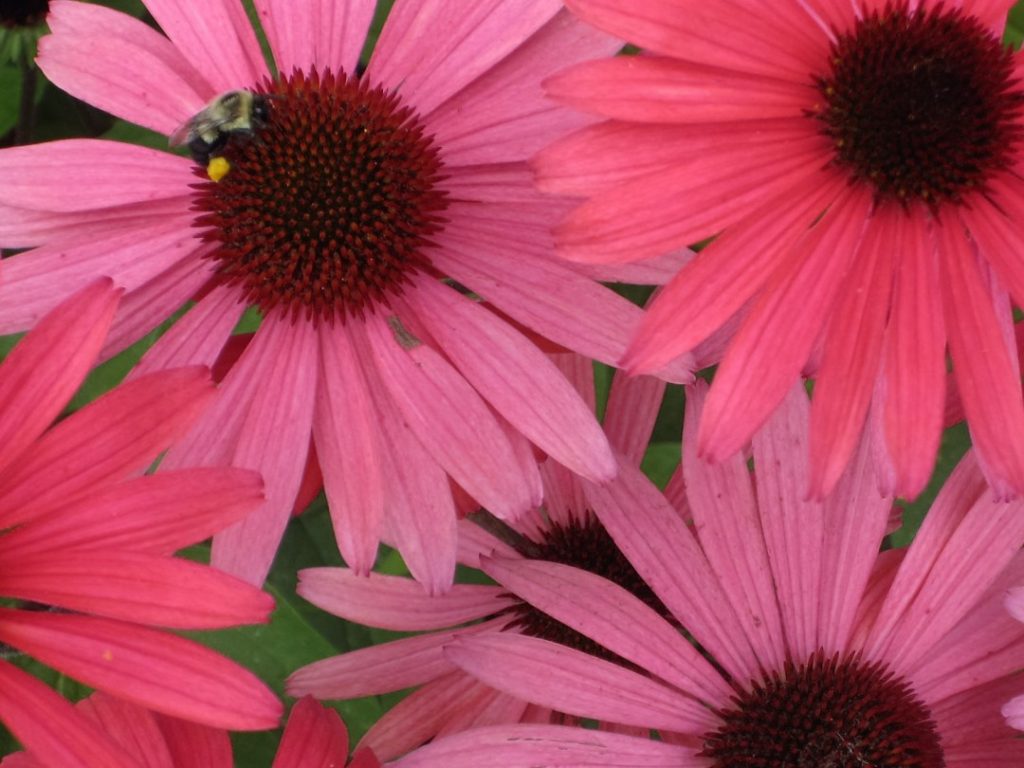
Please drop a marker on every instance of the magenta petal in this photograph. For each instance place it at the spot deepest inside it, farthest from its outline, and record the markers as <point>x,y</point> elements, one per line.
<point>140,588</point>
<point>43,371</point>
<point>50,728</point>
<point>315,737</point>
<point>154,669</point>
<point>117,434</point>
<point>567,680</point>
<point>516,378</point>
<point>531,746</point>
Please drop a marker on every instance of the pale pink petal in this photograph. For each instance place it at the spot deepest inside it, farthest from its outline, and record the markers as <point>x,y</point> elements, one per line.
<point>86,56</point>
<point>474,541</point>
<point>76,175</point>
<point>477,35</point>
<point>658,543</point>
<point>151,668</point>
<point>273,439</point>
<point>1015,603</point>
<point>724,276</point>
<point>396,602</point>
<point>616,620</point>
<point>447,415</point>
<point>42,372</point>
<point>529,746</point>
<point>323,33</point>
<point>198,337</point>
<point>726,515</point>
<point>115,435</point>
<point>152,304</point>
<point>220,41</point>
<point>516,378</point>
<point>1013,711</point>
<point>775,341</point>
<point>315,737</point>
<point>157,514</point>
<point>505,115</point>
<point>915,359</point>
<point>852,354</point>
<point>660,90</point>
<point>708,34</point>
<point>347,442</point>
<point>50,728</point>
<point>633,405</point>
<point>985,374</point>
<point>567,680</point>
<point>36,281</point>
<point>135,587</point>
<point>382,668</point>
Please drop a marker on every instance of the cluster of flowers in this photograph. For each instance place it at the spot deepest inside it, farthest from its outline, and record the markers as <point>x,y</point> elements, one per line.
<point>395,287</point>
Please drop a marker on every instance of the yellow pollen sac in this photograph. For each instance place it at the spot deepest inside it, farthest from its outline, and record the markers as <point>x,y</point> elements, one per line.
<point>218,168</point>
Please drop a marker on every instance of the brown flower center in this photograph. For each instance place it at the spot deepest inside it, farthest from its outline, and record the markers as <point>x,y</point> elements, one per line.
<point>327,209</point>
<point>23,13</point>
<point>922,105</point>
<point>827,713</point>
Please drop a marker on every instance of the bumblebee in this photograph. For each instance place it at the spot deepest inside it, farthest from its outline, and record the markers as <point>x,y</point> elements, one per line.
<point>235,113</point>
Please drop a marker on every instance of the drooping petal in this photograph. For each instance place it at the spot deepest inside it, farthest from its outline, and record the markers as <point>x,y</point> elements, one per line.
<point>315,737</point>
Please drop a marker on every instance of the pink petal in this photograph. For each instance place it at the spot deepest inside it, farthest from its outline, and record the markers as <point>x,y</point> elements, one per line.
<point>153,669</point>
<point>43,371</point>
<point>346,437</point>
<point>273,440</point>
<point>50,728</point>
<point>915,361</point>
<point>198,337</point>
<point>985,374</point>
<point>86,56</point>
<point>775,342</point>
<point>195,746</point>
<point>74,175</point>
<point>516,379</point>
<point>315,737</point>
<point>574,682</point>
<point>633,405</point>
<point>219,42</point>
<point>477,35</point>
<point>158,514</point>
<point>323,33</point>
<point>727,518</point>
<point>449,418</point>
<point>653,89</point>
<point>397,602</point>
<point>1015,603</point>
<point>505,115</point>
<point>35,282</point>
<point>110,438</point>
<point>528,746</point>
<point>135,587</point>
<point>992,225</point>
<point>133,728</point>
<point>853,350</point>
<point>150,305</point>
<point>616,620</point>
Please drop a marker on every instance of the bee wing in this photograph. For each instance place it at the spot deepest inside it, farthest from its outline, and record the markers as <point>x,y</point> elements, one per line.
<point>197,125</point>
<point>182,133</point>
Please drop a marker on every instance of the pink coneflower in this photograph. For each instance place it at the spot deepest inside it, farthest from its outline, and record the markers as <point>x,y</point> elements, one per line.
<point>364,221</point>
<point>445,699</point>
<point>810,647</point>
<point>314,737</point>
<point>86,573</point>
<point>858,165</point>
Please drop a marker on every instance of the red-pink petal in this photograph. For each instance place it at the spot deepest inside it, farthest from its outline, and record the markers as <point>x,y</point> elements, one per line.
<point>315,737</point>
